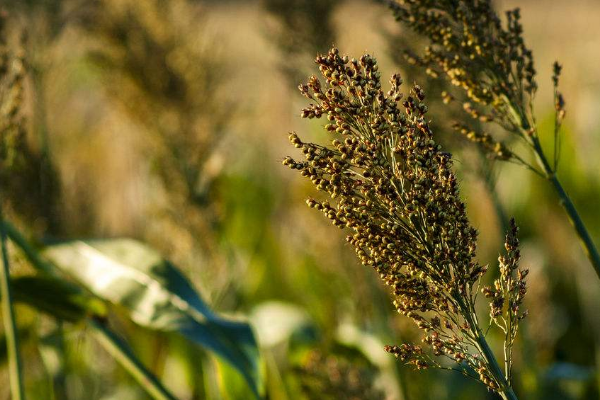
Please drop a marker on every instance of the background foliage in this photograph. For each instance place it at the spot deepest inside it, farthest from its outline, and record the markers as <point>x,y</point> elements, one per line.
<point>166,121</point>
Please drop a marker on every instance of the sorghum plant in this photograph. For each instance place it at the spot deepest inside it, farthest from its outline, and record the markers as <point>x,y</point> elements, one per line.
<point>12,77</point>
<point>489,61</point>
<point>11,88</point>
<point>392,187</point>
<point>29,183</point>
<point>162,68</point>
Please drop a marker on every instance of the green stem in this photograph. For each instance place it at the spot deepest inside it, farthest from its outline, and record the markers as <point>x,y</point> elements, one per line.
<point>30,252</point>
<point>468,312</point>
<point>10,328</point>
<point>124,356</point>
<point>565,201</point>
<point>584,236</point>
<point>505,390</point>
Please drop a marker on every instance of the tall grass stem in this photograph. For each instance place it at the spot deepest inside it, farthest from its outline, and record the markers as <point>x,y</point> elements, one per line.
<point>565,201</point>
<point>505,390</point>
<point>10,326</point>
<point>28,249</point>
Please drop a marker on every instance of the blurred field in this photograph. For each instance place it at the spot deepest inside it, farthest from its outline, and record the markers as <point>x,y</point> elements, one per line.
<point>250,244</point>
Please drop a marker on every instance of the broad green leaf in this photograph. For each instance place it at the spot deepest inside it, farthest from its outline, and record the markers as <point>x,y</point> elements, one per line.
<point>157,296</point>
<point>56,297</point>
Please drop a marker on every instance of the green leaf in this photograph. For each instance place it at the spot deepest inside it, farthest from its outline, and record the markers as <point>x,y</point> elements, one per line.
<point>157,296</point>
<point>56,297</point>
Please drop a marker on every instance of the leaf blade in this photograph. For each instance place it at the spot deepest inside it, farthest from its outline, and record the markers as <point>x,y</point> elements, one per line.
<point>157,296</point>
<point>56,297</point>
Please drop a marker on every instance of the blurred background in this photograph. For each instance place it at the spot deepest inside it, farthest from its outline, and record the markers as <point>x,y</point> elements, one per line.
<point>167,120</point>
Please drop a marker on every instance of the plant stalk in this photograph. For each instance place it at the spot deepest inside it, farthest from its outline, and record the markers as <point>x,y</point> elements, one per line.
<point>586,240</point>
<point>123,355</point>
<point>505,390</point>
<point>28,249</point>
<point>12,339</point>
<point>565,201</point>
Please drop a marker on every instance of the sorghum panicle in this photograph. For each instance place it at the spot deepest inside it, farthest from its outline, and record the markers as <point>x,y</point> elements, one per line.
<point>488,59</point>
<point>507,293</point>
<point>393,188</point>
<point>28,180</point>
<point>12,80</point>
<point>469,44</point>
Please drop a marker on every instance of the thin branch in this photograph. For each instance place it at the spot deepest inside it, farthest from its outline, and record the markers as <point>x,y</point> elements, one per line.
<point>119,350</point>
